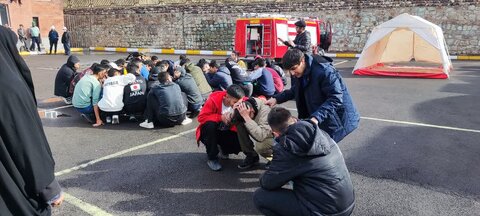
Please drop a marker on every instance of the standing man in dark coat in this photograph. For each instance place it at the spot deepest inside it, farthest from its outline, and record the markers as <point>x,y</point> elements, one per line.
<point>66,40</point>
<point>64,78</point>
<point>53,38</point>
<point>320,94</point>
<point>27,179</point>
<point>312,161</point>
<point>303,40</point>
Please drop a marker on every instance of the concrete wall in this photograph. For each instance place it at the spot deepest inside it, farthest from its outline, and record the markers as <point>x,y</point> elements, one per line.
<point>211,26</point>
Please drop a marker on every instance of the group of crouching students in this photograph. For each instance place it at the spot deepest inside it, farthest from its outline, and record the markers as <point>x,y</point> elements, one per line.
<point>306,172</point>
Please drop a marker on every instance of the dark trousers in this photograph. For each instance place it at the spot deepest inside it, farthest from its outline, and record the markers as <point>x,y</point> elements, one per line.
<point>162,120</point>
<point>245,142</point>
<point>23,41</point>
<point>277,202</point>
<point>66,47</point>
<point>52,44</point>
<point>35,40</point>
<point>212,137</point>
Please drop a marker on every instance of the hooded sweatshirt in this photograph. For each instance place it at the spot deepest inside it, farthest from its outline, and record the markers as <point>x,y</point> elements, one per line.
<point>189,87</point>
<point>239,75</point>
<point>308,156</point>
<point>112,100</point>
<point>199,78</point>
<point>65,76</point>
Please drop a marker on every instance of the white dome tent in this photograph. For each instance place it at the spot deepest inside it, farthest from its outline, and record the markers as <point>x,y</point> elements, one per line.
<point>406,46</point>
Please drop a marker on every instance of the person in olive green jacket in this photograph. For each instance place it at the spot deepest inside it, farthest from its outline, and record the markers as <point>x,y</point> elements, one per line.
<point>198,76</point>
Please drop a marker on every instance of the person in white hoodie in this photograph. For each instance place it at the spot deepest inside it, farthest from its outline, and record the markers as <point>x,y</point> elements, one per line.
<point>112,100</point>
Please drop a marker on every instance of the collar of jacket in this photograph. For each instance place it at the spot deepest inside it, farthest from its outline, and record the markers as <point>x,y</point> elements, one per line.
<point>308,69</point>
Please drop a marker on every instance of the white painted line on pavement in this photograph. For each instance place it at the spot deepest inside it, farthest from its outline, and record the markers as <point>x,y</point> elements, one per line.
<point>198,190</point>
<point>92,162</point>
<point>88,208</point>
<point>341,62</point>
<point>414,123</point>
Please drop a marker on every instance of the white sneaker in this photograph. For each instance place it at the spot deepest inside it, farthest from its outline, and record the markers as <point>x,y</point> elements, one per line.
<point>187,121</point>
<point>115,119</point>
<point>147,125</point>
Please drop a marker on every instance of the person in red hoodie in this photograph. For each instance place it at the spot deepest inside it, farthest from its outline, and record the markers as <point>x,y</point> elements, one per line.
<point>215,127</point>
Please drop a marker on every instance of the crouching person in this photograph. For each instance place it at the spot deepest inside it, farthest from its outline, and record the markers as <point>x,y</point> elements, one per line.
<point>309,158</point>
<point>165,105</point>
<point>215,127</point>
<point>87,94</point>
<point>251,120</point>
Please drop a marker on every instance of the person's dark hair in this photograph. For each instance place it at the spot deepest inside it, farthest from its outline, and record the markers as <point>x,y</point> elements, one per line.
<point>213,63</point>
<point>259,62</point>
<point>250,103</point>
<point>120,62</point>
<point>291,58</point>
<point>149,63</point>
<point>158,63</point>
<point>163,63</point>
<point>99,68</point>
<point>278,119</point>
<point>235,91</point>
<point>230,59</point>
<point>136,62</point>
<point>132,68</point>
<point>112,72</point>
<point>268,62</point>
<point>93,65</point>
<point>182,56</point>
<point>163,77</point>
<point>201,63</point>
<point>154,58</point>
<point>104,62</point>
<point>237,53</point>
<point>184,61</point>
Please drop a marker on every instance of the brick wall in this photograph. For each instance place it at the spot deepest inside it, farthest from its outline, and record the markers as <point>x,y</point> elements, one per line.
<point>210,26</point>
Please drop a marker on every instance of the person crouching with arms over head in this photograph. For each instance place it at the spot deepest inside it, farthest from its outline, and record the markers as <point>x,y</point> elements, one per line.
<point>308,157</point>
<point>216,128</point>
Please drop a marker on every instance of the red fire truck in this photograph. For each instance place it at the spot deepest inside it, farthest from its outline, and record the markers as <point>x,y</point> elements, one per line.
<point>259,35</point>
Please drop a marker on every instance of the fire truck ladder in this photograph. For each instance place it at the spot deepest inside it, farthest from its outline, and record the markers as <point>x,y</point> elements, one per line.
<point>267,40</point>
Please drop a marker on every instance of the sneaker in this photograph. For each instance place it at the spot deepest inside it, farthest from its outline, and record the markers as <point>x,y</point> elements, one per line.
<point>115,119</point>
<point>194,114</point>
<point>249,162</point>
<point>67,100</point>
<point>187,121</point>
<point>147,125</point>
<point>214,165</point>
<point>87,117</point>
<point>109,119</point>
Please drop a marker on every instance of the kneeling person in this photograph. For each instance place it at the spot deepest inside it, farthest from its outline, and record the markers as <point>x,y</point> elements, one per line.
<point>165,105</point>
<point>309,158</point>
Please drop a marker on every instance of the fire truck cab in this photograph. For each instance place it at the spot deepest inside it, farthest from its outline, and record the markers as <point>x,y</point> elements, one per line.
<point>259,35</point>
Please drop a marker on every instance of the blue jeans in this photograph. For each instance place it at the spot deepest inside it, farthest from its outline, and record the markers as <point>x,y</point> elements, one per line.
<point>86,110</point>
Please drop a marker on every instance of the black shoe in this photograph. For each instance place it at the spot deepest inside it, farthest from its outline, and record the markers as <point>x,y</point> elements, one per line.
<point>249,162</point>
<point>194,114</point>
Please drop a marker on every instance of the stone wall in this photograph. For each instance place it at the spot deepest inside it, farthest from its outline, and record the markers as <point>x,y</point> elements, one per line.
<point>211,26</point>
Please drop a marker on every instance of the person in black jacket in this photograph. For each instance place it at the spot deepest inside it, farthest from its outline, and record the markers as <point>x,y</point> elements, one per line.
<point>134,94</point>
<point>27,168</point>
<point>239,76</point>
<point>303,40</point>
<point>165,106</point>
<point>189,87</point>
<point>53,38</point>
<point>66,41</point>
<point>306,156</point>
<point>218,77</point>
<point>64,77</point>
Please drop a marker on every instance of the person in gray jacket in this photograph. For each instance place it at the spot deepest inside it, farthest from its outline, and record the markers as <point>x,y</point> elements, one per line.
<point>165,106</point>
<point>250,118</point>
<point>308,157</point>
<point>303,40</point>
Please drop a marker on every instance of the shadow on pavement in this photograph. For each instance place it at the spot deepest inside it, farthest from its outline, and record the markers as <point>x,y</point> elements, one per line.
<point>167,184</point>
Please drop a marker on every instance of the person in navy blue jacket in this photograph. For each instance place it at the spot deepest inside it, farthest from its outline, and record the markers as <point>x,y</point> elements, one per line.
<point>308,158</point>
<point>218,77</point>
<point>53,38</point>
<point>320,94</point>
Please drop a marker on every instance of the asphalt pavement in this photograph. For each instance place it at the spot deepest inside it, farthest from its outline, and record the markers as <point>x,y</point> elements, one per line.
<point>414,153</point>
